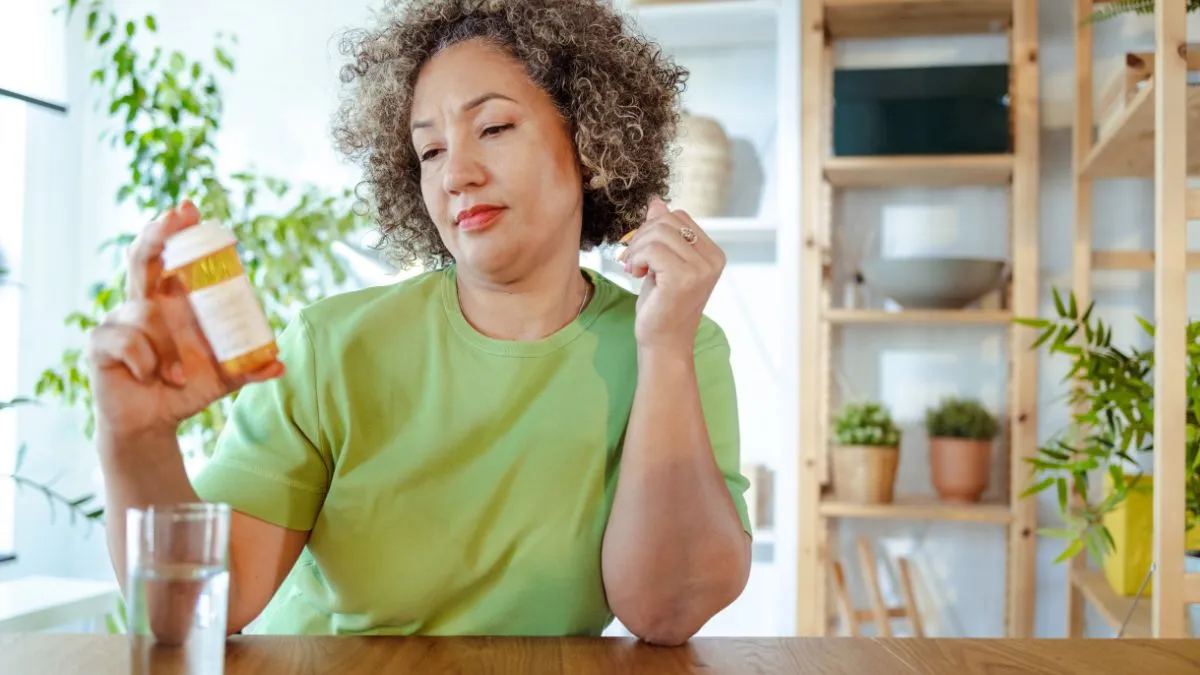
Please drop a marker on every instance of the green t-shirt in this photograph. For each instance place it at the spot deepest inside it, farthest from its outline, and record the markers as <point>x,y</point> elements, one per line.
<point>453,484</point>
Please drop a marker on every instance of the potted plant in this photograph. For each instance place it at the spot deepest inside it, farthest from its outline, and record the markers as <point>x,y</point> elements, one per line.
<point>164,105</point>
<point>960,448</point>
<point>1112,422</point>
<point>866,453</point>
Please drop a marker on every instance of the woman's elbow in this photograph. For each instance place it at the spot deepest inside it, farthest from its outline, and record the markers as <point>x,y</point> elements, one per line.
<point>672,626</point>
<point>666,631</point>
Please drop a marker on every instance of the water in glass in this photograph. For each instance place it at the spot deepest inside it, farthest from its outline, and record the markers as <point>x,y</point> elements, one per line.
<point>178,582</point>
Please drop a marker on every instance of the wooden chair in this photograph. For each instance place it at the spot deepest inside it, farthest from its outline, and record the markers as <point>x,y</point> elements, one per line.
<point>879,614</point>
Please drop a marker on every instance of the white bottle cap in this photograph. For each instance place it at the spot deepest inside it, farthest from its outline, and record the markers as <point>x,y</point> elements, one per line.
<point>196,242</point>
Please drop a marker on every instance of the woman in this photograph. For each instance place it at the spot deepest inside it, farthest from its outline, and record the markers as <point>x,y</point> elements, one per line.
<point>506,443</point>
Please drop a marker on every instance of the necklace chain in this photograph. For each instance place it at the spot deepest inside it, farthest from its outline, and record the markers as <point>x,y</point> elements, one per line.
<point>587,292</point>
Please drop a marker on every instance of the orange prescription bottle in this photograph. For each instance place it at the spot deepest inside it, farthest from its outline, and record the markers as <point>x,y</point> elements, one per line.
<point>205,258</point>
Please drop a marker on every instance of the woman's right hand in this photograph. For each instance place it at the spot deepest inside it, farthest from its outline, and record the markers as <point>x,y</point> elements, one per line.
<point>151,366</point>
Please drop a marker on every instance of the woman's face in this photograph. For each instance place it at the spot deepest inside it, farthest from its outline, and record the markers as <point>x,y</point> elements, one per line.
<point>499,174</point>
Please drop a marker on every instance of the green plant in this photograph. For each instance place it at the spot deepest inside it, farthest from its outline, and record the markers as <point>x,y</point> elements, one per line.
<point>961,418</point>
<point>76,507</point>
<point>165,111</point>
<point>865,424</point>
<point>1112,397</point>
<point>1116,8</point>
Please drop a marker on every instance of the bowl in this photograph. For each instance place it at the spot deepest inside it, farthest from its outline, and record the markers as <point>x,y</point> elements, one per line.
<point>933,283</point>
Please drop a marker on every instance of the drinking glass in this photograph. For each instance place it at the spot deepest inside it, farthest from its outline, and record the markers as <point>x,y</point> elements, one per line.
<point>177,559</point>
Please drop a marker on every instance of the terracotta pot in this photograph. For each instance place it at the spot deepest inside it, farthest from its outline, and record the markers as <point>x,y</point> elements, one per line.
<point>960,468</point>
<point>864,474</point>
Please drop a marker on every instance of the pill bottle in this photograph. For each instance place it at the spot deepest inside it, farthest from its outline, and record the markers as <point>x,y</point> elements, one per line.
<point>205,259</point>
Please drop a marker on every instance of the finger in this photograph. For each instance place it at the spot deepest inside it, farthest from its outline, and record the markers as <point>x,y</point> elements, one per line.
<point>115,345</point>
<point>657,214</point>
<point>666,231</point>
<point>145,254</point>
<point>654,257</point>
<point>656,209</point>
<point>270,371</point>
<point>704,243</point>
<point>149,319</point>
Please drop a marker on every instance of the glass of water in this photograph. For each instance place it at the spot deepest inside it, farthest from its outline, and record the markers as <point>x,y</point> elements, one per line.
<point>177,559</point>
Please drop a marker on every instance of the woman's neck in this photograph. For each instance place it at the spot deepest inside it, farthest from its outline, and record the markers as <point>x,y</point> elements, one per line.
<point>530,308</point>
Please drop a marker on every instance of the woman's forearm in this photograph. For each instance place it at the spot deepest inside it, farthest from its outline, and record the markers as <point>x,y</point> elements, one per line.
<point>138,472</point>
<point>675,552</point>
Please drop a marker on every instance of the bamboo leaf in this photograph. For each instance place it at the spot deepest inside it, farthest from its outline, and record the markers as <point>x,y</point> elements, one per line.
<point>1146,326</point>
<point>1070,551</point>
<point>1038,487</point>
<point>1058,303</point>
<point>1032,323</point>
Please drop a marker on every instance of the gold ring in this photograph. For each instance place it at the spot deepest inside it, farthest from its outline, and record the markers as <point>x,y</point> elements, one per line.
<point>688,234</point>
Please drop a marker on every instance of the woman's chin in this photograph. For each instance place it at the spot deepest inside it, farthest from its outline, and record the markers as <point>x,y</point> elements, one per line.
<point>489,258</point>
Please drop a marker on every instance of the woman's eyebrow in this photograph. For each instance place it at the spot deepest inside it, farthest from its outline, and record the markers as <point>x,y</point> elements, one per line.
<point>473,103</point>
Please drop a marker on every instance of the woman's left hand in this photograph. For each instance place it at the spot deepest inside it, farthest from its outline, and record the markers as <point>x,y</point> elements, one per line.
<point>680,266</point>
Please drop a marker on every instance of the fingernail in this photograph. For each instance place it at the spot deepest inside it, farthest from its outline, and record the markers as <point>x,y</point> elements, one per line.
<point>177,374</point>
<point>620,256</point>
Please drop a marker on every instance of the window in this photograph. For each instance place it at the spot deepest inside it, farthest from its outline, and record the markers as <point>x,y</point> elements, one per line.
<point>12,194</point>
<point>32,62</point>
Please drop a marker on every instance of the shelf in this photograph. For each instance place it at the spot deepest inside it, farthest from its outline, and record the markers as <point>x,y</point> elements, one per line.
<point>900,18</point>
<point>738,230</point>
<point>917,316</point>
<point>1136,261</point>
<point>1127,150</point>
<point>930,171</point>
<point>916,507</point>
<point>1094,586</point>
<point>729,23</point>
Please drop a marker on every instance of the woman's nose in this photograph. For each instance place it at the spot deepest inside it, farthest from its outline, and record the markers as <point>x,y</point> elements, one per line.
<point>463,171</point>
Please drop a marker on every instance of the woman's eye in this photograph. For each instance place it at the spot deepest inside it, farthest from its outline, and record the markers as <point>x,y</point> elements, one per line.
<point>429,154</point>
<point>495,129</point>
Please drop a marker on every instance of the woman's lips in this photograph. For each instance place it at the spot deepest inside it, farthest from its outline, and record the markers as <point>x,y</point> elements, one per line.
<point>479,217</point>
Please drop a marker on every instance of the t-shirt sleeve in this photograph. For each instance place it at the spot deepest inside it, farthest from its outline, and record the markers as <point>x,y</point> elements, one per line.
<point>718,398</point>
<point>269,460</point>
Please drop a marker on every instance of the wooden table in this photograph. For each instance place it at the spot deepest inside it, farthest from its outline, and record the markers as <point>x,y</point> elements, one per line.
<point>103,654</point>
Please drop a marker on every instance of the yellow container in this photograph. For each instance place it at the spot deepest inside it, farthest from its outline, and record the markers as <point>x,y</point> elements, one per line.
<point>1131,524</point>
<point>205,259</point>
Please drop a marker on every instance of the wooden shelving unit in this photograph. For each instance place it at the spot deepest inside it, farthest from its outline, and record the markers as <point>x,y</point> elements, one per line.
<point>919,507</point>
<point>901,18</point>
<point>1094,588</point>
<point>822,23</point>
<point>883,172</point>
<point>917,316</point>
<point>1154,133</point>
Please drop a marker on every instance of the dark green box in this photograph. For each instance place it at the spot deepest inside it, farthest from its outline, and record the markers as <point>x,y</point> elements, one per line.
<point>942,110</point>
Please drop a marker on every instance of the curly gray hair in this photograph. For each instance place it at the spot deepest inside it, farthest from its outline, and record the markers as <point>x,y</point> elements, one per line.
<point>615,88</point>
